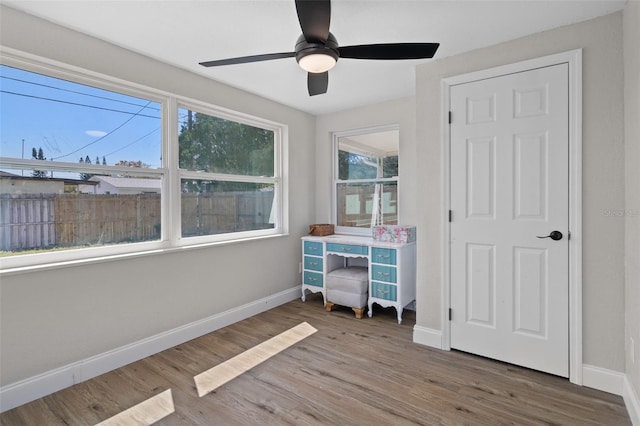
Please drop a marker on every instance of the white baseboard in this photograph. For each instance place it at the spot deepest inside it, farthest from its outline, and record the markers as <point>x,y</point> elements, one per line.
<point>631,401</point>
<point>51,381</point>
<point>427,336</point>
<point>602,379</point>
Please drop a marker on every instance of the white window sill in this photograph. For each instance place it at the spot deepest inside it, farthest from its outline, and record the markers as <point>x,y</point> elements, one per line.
<point>122,256</point>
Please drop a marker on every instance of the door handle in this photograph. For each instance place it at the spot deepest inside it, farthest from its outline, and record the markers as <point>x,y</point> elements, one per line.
<point>554,235</point>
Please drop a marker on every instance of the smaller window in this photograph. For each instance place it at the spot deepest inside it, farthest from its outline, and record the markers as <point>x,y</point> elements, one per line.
<point>366,179</point>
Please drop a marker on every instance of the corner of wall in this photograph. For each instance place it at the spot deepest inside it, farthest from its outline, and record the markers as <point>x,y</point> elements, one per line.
<point>631,401</point>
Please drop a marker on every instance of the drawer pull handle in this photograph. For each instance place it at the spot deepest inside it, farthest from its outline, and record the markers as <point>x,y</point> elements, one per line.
<point>313,279</point>
<point>346,248</point>
<point>382,256</point>
<point>383,292</point>
<point>383,274</point>
<point>313,248</point>
<point>313,263</point>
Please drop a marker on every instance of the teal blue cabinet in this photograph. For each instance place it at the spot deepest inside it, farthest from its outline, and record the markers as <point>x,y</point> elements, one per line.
<point>392,267</point>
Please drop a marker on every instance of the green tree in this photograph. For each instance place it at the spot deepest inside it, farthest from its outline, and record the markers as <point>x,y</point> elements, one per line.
<point>86,176</point>
<point>216,145</point>
<point>390,166</point>
<point>357,166</point>
<point>38,155</point>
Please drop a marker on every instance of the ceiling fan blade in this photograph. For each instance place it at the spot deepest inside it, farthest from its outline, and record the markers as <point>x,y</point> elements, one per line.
<point>390,51</point>
<point>247,59</point>
<point>317,83</point>
<point>314,17</point>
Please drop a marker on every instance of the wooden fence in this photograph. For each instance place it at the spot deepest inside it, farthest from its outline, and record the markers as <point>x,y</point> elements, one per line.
<point>355,203</point>
<point>33,221</point>
<point>27,221</point>
<point>220,212</point>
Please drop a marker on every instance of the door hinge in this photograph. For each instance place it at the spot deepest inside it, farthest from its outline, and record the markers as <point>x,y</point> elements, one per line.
<point>449,117</point>
<point>569,235</point>
<point>450,215</point>
<point>450,314</point>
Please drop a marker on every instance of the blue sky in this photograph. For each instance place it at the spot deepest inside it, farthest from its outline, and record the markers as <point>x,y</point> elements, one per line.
<point>70,121</point>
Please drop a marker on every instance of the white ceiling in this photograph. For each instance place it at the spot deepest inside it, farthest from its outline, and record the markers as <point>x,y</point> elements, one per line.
<point>185,32</point>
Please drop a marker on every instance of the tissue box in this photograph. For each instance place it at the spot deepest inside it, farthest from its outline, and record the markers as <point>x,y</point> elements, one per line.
<point>394,233</point>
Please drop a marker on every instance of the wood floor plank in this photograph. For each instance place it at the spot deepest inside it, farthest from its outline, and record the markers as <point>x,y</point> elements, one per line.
<point>350,372</point>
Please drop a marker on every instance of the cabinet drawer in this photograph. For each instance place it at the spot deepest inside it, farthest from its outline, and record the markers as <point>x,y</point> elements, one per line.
<point>383,255</point>
<point>314,263</point>
<point>313,247</point>
<point>313,278</point>
<point>347,248</point>
<point>384,291</point>
<point>383,273</point>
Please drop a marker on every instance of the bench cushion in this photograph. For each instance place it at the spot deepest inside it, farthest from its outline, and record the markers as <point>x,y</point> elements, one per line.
<point>354,279</point>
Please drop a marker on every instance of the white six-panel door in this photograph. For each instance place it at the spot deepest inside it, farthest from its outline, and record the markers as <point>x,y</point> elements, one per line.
<point>509,186</point>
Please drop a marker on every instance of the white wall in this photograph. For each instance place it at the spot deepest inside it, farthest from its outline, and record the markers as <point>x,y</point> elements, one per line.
<point>55,317</point>
<point>26,186</point>
<point>631,32</point>
<point>603,174</point>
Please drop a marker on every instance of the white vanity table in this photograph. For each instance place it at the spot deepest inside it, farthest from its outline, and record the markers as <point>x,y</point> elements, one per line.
<point>392,267</point>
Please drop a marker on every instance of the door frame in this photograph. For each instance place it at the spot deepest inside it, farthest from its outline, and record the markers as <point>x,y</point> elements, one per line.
<point>574,60</point>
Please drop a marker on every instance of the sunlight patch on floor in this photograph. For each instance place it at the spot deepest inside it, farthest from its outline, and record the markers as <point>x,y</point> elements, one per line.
<point>145,413</point>
<point>220,374</point>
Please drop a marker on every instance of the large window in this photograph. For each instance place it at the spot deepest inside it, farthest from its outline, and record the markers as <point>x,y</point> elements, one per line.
<point>365,179</point>
<point>89,167</point>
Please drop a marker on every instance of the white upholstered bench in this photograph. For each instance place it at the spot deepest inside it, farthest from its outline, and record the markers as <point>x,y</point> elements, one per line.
<point>348,287</point>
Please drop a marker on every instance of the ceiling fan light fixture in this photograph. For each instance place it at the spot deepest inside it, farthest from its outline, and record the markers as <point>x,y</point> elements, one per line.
<point>317,50</point>
<point>317,62</point>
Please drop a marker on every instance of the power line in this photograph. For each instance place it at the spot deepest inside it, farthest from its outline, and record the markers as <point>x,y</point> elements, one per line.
<point>129,144</point>
<point>73,91</point>
<point>79,104</point>
<point>102,137</point>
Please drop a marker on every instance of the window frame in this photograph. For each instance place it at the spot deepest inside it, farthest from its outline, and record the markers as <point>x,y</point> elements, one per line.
<point>168,172</point>
<point>276,179</point>
<point>352,230</point>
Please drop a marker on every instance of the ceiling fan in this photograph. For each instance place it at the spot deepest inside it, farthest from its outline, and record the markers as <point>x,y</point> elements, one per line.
<point>317,50</point>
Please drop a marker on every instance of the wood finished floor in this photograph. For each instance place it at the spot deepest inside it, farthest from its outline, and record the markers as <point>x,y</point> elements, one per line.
<point>351,372</point>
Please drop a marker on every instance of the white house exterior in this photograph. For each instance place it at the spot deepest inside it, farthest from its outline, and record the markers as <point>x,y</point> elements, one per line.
<point>15,184</point>
<point>121,185</point>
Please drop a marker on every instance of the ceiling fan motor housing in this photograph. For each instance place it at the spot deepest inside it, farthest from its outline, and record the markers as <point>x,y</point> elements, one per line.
<point>305,48</point>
